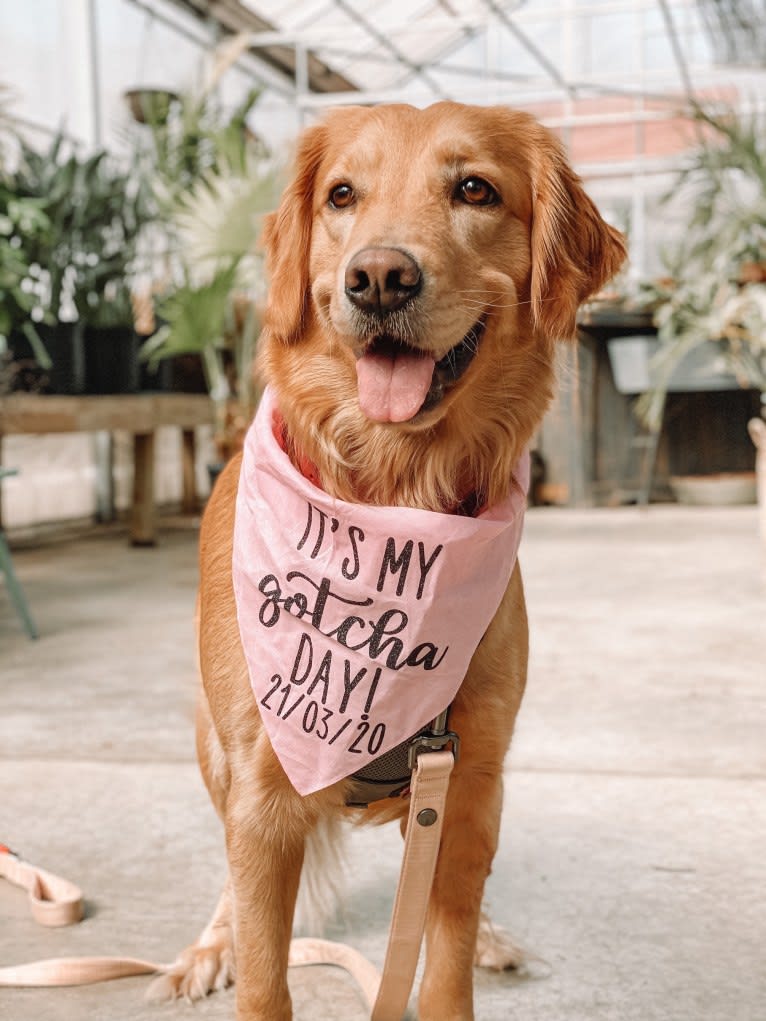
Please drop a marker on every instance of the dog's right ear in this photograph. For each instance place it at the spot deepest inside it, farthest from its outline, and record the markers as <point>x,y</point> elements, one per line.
<point>574,251</point>
<point>287,241</point>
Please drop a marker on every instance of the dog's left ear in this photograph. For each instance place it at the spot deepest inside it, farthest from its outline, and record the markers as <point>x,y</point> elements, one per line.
<point>574,251</point>
<point>287,241</point>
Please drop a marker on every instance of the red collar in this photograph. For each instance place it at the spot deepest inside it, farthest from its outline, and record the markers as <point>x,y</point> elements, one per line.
<point>470,507</point>
<point>306,467</point>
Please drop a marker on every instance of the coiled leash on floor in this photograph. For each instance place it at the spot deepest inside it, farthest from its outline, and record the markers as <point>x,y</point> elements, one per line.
<point>55,901</point>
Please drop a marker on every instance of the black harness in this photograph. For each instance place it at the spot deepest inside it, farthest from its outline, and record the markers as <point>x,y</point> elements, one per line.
<point>389,775</point>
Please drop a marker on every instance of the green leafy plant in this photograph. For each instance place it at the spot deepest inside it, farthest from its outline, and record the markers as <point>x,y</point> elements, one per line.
<point>21,222</point>
<point>212,311</point>
<point>195,140</point>
<point>111,211</point>
<point>212,183</point>
<point>726,178</point>
<point>195,322</point>
<point>95,213</point>
<point>47,178</point>
<point>717,276</point>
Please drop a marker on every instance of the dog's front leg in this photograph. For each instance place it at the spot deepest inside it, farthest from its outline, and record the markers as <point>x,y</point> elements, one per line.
<point>468,844</point>
<point>265,840</point>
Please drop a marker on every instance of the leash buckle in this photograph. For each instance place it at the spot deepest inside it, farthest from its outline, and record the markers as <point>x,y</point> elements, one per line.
<point>432,743</point>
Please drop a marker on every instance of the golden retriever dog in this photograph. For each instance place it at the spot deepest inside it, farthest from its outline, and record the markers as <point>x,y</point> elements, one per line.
<point>453,244</point>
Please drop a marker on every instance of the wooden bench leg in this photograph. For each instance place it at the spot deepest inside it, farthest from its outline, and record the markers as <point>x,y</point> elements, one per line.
<point>189,500</point>
<point>142,515</point>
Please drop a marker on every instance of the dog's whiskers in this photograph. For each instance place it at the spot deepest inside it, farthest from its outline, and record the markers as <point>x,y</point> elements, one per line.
<point>475,303</point>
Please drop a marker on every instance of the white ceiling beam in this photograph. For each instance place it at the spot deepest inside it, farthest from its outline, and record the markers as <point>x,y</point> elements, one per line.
<point>537,54</point>
<point>536,12</point>
<point>383,40</point>
<point>314,35</point>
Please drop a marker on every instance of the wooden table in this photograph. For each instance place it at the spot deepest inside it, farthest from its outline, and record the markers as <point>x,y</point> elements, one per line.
<point>138,414</point>
<point>610,429</point>
<point>612,321</point>
<point>592,444</point>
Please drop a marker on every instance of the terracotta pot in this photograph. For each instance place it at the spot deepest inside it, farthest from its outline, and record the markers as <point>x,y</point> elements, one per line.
<point>752,273</point>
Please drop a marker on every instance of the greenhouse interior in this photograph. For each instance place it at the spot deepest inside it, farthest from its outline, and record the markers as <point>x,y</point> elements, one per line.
<point>307,311</point>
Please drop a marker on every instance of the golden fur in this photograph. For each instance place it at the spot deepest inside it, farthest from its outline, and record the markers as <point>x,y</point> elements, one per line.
<point>521,265</point>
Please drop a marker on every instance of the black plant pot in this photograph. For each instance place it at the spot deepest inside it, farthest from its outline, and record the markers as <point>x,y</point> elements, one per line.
<point>158,380</point>
<point>111,360</point>
<point>64,344</point>
<point>187,374</point>
<point>24,372</point>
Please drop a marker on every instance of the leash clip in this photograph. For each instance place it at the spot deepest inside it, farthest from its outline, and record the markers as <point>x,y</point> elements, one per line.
<point>434,740</point>
<point>432,743</point>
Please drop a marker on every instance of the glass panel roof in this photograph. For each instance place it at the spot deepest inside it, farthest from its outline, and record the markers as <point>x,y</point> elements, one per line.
<point>382,43</point>
<point>522,51</point>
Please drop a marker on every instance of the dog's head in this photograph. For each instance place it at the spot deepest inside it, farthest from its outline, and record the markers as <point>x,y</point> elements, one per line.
<point>422,261</point>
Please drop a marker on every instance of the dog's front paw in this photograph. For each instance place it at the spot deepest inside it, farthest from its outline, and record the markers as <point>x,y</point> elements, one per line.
<point>195,973</point>
<point>495,949</point>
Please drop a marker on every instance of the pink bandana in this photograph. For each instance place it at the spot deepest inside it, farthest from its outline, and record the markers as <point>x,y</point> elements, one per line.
<point>358,623</point>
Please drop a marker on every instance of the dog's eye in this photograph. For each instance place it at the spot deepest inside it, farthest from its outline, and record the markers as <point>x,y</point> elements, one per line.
<point>342,196</point>
<point>477,192</point>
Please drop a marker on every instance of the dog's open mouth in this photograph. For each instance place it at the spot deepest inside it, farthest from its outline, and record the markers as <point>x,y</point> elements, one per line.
<point>396,381</point>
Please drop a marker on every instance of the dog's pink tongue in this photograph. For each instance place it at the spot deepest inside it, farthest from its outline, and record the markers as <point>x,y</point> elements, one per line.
<point>393,389</point>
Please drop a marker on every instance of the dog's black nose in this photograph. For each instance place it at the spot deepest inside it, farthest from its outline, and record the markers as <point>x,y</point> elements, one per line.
<point>382,280</point>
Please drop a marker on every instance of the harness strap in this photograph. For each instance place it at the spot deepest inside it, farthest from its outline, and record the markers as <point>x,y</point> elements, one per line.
<point>56,901</point>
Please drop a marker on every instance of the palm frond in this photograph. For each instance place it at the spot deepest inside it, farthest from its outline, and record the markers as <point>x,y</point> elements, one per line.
<point>219,219</point>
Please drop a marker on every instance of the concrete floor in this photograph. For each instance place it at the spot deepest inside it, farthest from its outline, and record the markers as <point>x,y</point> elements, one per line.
<point>632,863</point>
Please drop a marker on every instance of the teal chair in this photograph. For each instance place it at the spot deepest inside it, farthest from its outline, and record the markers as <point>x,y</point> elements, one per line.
<point>15,590</point>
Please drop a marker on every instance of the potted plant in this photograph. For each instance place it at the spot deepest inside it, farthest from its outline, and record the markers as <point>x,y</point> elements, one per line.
<point>711,312</point>
<point>150,106</point>
<point>47,179</point>
<point>212,184</point>
<point>21,220</point>
<point>110,213</point>
<point>213,310</point>
<point>81,266</point>
<point>203,319</point>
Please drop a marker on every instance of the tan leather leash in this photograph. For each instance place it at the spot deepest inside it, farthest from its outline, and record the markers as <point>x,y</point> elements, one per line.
<point>52,900</point>
<point>55,901</point>
<point>387,994</point>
